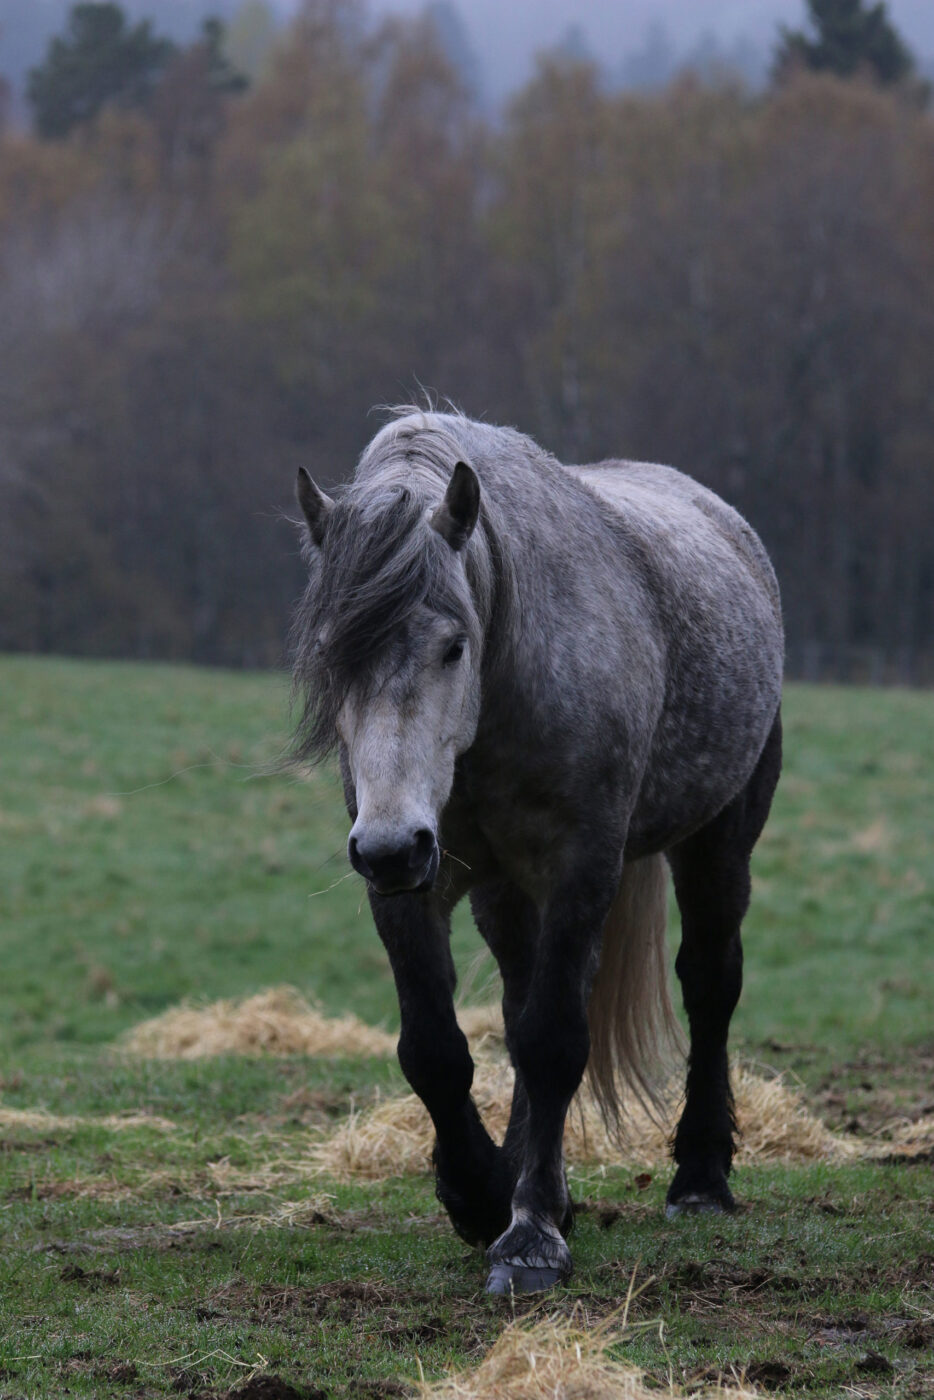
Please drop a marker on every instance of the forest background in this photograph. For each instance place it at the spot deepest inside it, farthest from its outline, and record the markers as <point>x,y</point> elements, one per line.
<point>212,268</point>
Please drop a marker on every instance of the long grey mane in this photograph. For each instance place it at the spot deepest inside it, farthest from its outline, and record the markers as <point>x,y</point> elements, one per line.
<point>380,561</point>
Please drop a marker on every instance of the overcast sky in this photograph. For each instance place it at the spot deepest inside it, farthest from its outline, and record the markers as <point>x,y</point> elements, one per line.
<point>506,33</point>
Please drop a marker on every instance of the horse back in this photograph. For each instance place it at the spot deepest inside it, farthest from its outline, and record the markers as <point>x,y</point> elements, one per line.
<point>678,516</point>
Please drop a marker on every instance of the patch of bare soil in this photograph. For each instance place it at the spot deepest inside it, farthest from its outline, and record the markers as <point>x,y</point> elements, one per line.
<point>765,1375</point>
<point>707,1286</point>
<point>402,1318</point>
<point>206,1234</point>
<point>342,1300</point>
<point>91,1279</point>
<point>310,1108</point>
<point>28,1144</point>
<point>261,1387</point>
<point>610,1213</point>
<point>768,1375</point>
<point>381,1390</point>
<point>84,1363</point>
<point>87,1188</point>
<point>871,1094</point>
<point>922,1158</point>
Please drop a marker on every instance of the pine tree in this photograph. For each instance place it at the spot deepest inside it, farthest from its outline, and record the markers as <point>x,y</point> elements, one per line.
<point>99,60</point>
<point>847,37</point>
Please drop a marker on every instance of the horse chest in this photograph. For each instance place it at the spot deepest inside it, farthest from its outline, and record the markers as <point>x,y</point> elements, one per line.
<point>520,823</point>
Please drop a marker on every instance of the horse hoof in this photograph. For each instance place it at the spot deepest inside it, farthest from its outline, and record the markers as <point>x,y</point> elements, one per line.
<point>694,1205</point>
<point>519,1278</point>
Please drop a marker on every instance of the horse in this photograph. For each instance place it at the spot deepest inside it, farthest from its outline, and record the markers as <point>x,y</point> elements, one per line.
<point>545,683</point>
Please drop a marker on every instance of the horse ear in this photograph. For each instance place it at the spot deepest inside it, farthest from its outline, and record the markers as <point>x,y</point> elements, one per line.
<point>456,516</point>
<point>316,506</point>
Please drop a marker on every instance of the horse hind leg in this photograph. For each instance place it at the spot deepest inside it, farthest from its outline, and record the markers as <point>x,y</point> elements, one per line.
<point>712,884</point>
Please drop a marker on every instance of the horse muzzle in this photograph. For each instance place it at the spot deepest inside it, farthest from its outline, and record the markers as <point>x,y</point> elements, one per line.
<point>394,866</point>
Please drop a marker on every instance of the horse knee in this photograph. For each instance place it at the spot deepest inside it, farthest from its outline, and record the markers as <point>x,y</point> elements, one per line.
<point>438,1068</point>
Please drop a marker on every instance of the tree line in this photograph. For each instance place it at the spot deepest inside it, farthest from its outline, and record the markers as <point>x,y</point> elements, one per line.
<point>205,283</point>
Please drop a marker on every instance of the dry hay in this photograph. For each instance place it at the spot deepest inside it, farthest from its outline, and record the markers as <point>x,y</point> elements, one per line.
<point>275,1022</point>
<point>395,1137</point>
<point>482,1025</point>
<point>776,1126</point>
<point>909,1138</point>
<point>214,1181</point>
<point>37,1119</point>
<point>560,1359</point>
<point>282,1215</point>
<point>280,1021</point>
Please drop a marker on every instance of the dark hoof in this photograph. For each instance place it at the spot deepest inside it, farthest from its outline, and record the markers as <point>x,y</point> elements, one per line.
<point>510,1279</point>
<point>695,1205</point>
<point>699,1188</point>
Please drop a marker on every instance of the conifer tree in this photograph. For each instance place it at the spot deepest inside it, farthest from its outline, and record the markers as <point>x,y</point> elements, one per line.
<point>847,37</point>
<point>99,60</point>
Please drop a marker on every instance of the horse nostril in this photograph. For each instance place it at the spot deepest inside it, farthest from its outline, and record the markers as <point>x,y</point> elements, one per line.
<point>392,864</point>
<point>422,848</point>
<point>361,866</point>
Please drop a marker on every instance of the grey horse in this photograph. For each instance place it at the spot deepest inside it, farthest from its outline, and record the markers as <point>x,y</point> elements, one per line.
<point>544,683</point>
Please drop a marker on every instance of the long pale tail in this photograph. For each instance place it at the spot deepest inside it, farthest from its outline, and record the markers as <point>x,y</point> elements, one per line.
<point>633,1028</point>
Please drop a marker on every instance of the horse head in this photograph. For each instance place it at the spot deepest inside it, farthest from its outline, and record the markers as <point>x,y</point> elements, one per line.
<point>389,655</point>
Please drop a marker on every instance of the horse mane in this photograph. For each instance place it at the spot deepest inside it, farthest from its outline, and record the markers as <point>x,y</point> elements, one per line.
<point>379,562</point>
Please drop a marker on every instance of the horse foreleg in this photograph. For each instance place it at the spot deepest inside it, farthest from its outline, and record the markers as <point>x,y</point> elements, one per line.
<point>472,1179</point>
<point>549,1042</point>
<point>510,924</point>
<point>711,875</point>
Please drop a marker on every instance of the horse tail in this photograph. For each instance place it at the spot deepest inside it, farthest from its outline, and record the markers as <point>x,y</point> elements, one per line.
<point>633,1028</point>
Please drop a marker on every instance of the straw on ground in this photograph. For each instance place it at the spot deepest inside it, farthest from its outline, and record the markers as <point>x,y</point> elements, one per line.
<point>37,1119</point>
<point>395,1137</point>
<point>557,1358</point>
<point>279,1021</point>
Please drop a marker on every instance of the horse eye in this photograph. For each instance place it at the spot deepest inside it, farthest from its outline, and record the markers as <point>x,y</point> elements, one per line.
<point>454,652</point>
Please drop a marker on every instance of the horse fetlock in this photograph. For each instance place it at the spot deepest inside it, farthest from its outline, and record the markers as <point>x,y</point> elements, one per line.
<point>478,1222</point>
<point>704,1152</point>
<point>476,1198</point>
<point>532,1242</point>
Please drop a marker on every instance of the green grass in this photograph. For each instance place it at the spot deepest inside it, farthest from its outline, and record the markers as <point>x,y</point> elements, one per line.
<point>150,851</point>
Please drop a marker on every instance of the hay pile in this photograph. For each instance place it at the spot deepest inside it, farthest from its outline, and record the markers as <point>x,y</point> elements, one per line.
<point>280,1021</point>
<point>910,1139</point>
<point>276,1022</point>
<point>482,1025</point>
<point>39,1120</point>
<point>560,1359</point>
<point>395,1137</point>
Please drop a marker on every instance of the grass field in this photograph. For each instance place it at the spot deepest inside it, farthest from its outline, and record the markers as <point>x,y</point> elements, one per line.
<point>149,852</point>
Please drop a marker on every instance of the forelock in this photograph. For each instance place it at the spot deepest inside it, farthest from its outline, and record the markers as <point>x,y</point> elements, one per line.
<point>379,562</point>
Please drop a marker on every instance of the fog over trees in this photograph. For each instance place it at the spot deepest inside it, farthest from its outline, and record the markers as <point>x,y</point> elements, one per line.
<point>211,278</point>
<point>642,44</point>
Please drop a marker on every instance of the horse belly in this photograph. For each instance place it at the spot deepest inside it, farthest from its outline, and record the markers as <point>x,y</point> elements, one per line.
<point>719,621</point>
<point>708,739</point>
